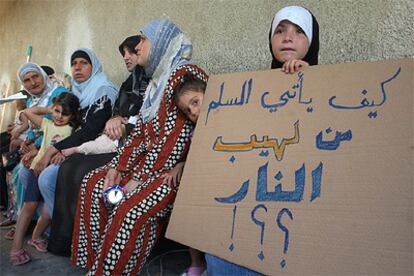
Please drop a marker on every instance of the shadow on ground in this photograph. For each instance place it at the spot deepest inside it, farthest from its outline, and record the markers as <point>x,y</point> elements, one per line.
<point>167,258</point>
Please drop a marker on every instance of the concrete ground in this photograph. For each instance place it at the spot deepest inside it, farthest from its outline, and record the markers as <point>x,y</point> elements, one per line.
<point>168,258</point>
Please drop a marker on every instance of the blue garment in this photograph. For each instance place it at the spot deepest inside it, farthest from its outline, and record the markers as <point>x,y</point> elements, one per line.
<point>32,193</point>
<point>217,266</point>
<point>21,176</point>
<point>47,185</point>
<point>17,192</point>
<point>170,49</point>
<point>91,89</point>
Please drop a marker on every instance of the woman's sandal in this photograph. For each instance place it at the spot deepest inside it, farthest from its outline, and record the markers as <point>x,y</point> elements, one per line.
<point>19,257</point>
<point>10,234</point>
<point>40,245</point>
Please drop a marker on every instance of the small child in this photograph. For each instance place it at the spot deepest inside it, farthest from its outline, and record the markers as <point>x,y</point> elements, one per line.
<point>294,39</point>
<point>19,132</point>
<point>189,98</point>
<point>64,121</point>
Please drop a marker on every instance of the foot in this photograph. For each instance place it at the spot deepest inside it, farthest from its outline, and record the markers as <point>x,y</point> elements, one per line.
<point>40,245</point>
<point>19,257</point>
<point>10,234</point>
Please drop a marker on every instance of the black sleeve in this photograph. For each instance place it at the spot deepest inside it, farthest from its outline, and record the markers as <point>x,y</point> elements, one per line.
<point>122,96</point>
<point>93,122</point>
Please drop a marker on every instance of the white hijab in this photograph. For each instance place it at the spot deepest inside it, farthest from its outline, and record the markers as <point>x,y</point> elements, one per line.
<point>297,15</point>
<point>43,98</point>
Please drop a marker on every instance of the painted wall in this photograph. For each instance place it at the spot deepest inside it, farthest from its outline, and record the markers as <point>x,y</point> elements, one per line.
<point>227,35</point>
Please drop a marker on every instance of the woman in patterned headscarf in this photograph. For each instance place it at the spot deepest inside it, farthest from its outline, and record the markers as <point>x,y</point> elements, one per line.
<point>118,240</point>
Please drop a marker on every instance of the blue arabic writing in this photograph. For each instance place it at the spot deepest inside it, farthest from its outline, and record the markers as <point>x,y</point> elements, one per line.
<point>232,101</point>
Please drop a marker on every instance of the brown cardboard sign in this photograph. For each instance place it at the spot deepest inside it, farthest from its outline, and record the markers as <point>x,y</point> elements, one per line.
<point>310,173</point>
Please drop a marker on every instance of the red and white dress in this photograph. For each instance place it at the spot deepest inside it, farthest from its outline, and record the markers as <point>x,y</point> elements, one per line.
<point>118,241</point>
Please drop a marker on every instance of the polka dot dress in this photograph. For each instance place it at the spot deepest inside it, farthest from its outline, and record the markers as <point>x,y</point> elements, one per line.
<point>118,240</point>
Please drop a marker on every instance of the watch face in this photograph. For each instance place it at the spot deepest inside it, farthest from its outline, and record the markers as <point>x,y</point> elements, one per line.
<point>114,194</point>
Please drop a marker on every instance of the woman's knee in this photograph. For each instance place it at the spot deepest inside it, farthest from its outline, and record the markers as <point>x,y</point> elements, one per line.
<point>47,179</point>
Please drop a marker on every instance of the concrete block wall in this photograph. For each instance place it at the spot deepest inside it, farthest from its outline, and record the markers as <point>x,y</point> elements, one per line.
<point>227,35</point>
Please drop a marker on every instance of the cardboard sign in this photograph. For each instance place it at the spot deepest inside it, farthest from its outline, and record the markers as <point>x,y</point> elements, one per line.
<point>310,173</point>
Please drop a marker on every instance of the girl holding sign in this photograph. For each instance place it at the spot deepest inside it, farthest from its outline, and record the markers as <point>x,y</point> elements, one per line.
<point>294,39</point>
<point>293,43</point>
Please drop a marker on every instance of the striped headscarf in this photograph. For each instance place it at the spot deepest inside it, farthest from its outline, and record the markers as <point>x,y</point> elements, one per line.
<point>170,48</point>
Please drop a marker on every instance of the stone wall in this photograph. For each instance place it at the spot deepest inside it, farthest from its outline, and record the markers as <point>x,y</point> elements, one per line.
<point>227,35</point>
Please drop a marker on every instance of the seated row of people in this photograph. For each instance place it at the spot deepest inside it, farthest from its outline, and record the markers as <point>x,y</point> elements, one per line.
<point>143,133</point>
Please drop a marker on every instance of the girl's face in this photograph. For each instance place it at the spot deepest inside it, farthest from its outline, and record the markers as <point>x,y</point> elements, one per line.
<point>81,69</point>
<point>143,49</point>
<point>34,83</point>
<point>58,118</point>
<point>189,102</point>
<point>130,59</point>
<point>289,42</point>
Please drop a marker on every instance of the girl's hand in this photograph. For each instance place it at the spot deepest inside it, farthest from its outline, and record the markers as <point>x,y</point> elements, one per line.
<point>173,177</point>
<point>293,65</point>
<point>28,158</point>
<point>112,177</point>
<point>27,146</point>
<point>42,164</point>
<point>50,108</point>
<point>57,158</point>
<point>113,127</point>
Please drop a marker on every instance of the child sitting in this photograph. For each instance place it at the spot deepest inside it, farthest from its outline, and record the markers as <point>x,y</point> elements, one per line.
<point>189,98</point>
<point>64,120</point>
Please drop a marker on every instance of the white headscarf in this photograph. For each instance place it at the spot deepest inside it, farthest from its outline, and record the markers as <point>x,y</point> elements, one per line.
<point>89,91</point>
<point>170,49</point>
<point>43,98</point>
<point>297,15</point>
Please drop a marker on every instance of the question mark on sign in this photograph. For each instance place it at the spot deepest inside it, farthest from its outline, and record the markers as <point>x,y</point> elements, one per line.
<point>285,230</point>
<point>262,226</point>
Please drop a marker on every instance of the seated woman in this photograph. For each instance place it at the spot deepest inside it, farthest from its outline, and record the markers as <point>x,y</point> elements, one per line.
<point>118,240</point>
<point>96,95</point>
<point>42,92</point>
<point>74,168</point>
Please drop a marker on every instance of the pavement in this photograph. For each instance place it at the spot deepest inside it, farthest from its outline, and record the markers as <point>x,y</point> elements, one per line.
<point>168,258</point>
